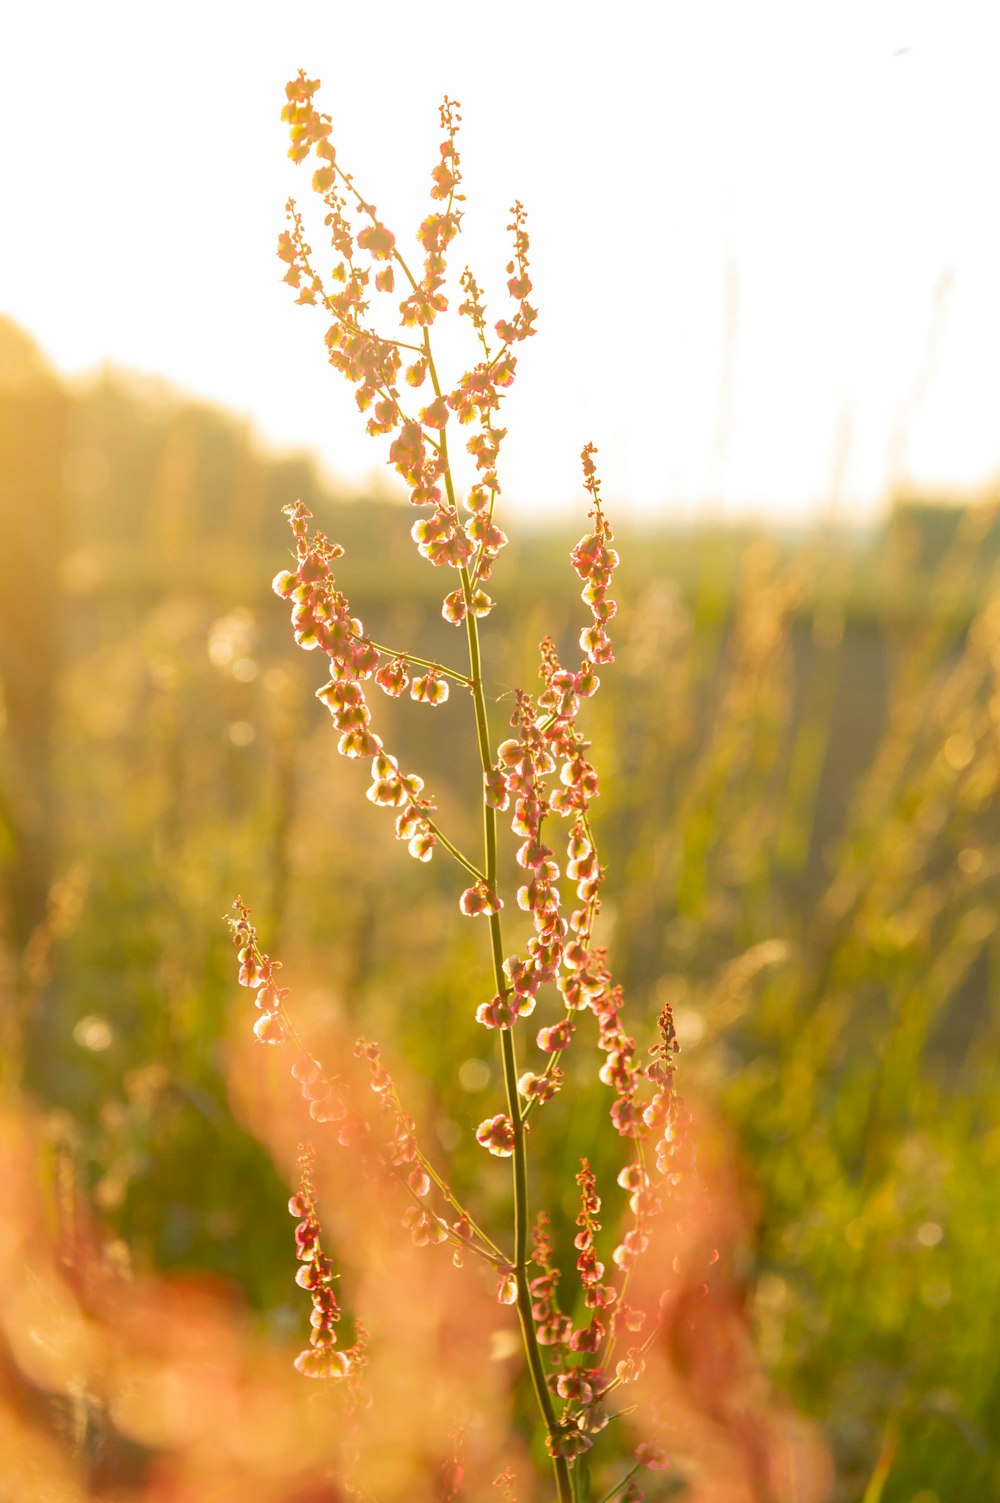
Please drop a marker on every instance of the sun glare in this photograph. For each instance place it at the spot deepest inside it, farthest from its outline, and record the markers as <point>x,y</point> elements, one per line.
<point>786,211</point>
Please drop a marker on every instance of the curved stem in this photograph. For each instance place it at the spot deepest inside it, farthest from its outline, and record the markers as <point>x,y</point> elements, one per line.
<point>408,657</point>
<point>529,1335</point>
<point>453,850</point>
<point>619,1485</point>
<point>489,1250</point>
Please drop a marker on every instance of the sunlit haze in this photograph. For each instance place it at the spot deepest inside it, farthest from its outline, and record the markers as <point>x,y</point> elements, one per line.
<point>765,243</point>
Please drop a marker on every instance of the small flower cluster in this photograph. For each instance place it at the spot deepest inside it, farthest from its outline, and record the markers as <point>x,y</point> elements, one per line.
<point>595,562</point>
<point>579,1386</point>
<point>368,361</point>
<point>547,739</point>
<point>667,1114</point>
<point>403,1154</point>
<point>437,231</point>
<point>479,899</point>
<point>475,399</point>
<point>505,1486</point>
<point>321,619</point>
<point>518,776</point>
<point>321,1358</point>
<point>644,1204</point>
<point>561,951</point>
<point>621,1069</point>
<point>327,1104</point>
<point>584,1386</point>
<point>256,970</point>
<point>402,1150</point>
<point>372,362</point>
<point>554,1328</point>
<point>403,791</point>
<point>496,1135</point>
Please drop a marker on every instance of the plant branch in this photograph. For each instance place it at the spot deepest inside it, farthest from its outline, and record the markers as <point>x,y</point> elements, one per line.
<point>619,1485</point>
<point>409,657</point>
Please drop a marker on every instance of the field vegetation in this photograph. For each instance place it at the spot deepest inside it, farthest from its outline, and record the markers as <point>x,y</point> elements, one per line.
<point>799,748</point>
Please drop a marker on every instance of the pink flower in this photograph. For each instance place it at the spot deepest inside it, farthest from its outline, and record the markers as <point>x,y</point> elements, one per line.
<point>574,1386</point>
<point>421,845</point>
<point>430,689</point>
<point>553,1040</point>
<point>479,898</point>
<point>423,1227</point>
<point>378,241</point>
<point>495,789</point>
<point>507,1290</point>
<point>497,1135</point>
<point>322,1361</point>
<point>454,608</point>
<point>651,1456</point>
<point>330,1108</point>
<point>503,1012</point>
<point>540,1087</point>
<point>392,677</point>
<point>436,415</point>
<point>271,1028</point>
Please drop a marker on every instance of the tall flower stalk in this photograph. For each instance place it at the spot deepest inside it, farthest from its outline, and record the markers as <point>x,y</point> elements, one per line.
<point>540,776</point>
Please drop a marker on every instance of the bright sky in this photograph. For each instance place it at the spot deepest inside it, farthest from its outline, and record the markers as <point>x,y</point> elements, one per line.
<point>766,243</point>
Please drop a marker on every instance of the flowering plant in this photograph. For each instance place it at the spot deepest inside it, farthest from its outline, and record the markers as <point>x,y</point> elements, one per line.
<point>587,1340</point>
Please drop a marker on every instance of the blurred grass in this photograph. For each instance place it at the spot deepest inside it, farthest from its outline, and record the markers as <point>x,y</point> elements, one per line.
<point>800,753</point>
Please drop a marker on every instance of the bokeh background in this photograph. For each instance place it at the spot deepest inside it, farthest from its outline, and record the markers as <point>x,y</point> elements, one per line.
<point>765,259</point>
<point>800,754</point>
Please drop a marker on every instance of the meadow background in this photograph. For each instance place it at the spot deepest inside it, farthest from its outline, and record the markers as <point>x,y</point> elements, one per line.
<point>800,757</point>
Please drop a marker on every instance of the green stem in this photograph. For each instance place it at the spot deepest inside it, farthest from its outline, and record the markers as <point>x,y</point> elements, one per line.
<point>529,1335</point>
<point>408,657</point>
<point>489,1250</point>
<point>453,850</point>
<point>619,1485</point>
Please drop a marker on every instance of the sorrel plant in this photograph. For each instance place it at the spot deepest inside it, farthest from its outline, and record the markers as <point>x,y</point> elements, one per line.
<point>583,1352</point>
